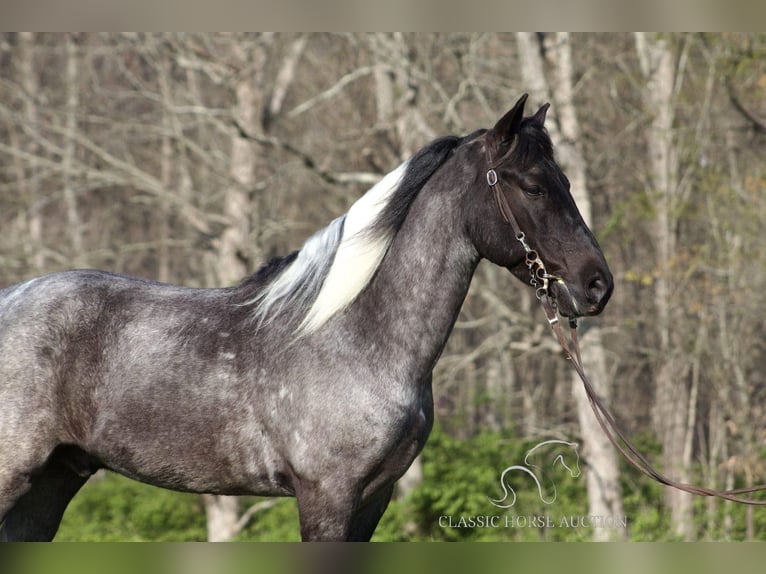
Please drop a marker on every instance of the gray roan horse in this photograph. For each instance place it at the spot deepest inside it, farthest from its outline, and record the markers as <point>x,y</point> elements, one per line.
<point>312,378</point>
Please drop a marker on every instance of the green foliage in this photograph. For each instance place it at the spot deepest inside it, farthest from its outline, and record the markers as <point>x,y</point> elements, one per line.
<point>460,476</point>
<point>276,524</point>
<point>112,508</point>
<point>643,498</point>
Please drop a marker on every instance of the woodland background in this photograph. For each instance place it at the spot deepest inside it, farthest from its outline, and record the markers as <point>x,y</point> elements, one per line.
<point>195,158</point>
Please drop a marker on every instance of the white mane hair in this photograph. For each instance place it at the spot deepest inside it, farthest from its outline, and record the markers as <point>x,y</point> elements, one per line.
<point>334,265</point>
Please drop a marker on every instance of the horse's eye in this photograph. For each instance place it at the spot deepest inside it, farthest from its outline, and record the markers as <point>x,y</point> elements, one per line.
<point>533,190</point>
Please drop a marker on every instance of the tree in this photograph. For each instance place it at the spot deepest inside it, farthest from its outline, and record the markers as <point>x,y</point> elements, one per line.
<point>29,178</point>
<point>673,396</point>
<point>602,477</point>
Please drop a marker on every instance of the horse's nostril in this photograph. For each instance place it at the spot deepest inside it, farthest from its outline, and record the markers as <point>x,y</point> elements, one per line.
<point>597,289</point>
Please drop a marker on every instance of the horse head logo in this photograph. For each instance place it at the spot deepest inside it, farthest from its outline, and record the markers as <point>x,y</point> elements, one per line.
<point>549,452</point>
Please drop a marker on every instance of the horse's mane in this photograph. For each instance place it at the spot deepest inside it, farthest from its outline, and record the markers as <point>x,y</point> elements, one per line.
<point>335,264</point>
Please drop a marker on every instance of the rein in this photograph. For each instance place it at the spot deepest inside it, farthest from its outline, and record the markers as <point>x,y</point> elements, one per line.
<point>539,279</point>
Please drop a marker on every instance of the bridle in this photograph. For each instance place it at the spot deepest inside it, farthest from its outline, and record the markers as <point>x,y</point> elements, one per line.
<point>539,276</point>
<point>540,281</point>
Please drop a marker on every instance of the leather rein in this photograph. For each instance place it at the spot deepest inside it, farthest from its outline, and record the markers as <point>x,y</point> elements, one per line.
<point>540,280</point>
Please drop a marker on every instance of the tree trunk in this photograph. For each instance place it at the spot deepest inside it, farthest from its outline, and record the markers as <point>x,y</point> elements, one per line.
<point>70,196</point>
<point>602,475</point>
<point>396,94</point>
<point>672,399</point>
<point>234,250</point>
<point>285,78</point>
<point>222,517</point>
<point>168,158</point>
<point>30,184</point>
<point>223,511</point>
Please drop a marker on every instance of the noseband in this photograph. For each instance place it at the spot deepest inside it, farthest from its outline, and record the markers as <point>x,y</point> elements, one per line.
<point>539,279</point>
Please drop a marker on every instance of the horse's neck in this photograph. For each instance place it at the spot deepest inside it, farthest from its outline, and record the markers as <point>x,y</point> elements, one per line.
<point>408,310</point>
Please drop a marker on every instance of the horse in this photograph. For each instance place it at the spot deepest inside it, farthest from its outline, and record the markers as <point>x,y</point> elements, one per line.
<point>312,377</point>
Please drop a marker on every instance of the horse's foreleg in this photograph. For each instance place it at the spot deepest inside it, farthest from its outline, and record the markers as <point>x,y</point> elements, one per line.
<point>333,515</point>
<point>37,514</point>
<point>325,513</point>
<point>17,467</point>
<point>365,519</point>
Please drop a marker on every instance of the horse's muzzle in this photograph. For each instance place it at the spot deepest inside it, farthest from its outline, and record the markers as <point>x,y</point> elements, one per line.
<point>583,300</point>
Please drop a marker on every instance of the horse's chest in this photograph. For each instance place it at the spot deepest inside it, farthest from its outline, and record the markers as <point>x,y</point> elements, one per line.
<point>417,426</point>
<point>412,434</point>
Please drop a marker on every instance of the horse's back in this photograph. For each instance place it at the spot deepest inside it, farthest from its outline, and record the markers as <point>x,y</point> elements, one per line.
<point>40,322</point>
<point>42,318</point>
<point>58,299</point>
<point>136,374</point>
<point>59,334</point>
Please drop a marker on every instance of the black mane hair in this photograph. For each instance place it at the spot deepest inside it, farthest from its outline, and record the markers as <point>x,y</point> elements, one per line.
<point>420,168</point>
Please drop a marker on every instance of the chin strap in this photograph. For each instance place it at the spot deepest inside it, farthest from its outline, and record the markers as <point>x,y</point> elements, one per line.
<point>607,422</point>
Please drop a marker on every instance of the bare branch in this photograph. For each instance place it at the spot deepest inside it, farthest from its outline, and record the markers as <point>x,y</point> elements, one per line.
<point>758,124</point>
<point>252,511</point>
<point>332,91</point>
<point>308,161</point>
<point>122,172</point>
<point>286,75</point>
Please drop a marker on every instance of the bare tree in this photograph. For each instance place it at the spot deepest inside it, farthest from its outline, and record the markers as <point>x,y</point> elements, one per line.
<point>29,178</point>
<point>254,112</point>
<point>234,247</point>
<point>672,401</point>
<point>70,194</point>
<point>602,476</point>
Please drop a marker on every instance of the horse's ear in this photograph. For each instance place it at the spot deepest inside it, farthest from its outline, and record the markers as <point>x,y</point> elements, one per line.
<point>539,117</point>
<point>507,126</point>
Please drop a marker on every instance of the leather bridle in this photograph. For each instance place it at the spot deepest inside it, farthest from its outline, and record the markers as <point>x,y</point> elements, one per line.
<point>539,276</point>
<point>539,279</point>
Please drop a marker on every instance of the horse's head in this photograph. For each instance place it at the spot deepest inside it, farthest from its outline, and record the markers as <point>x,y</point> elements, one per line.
<point>526,205</point>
